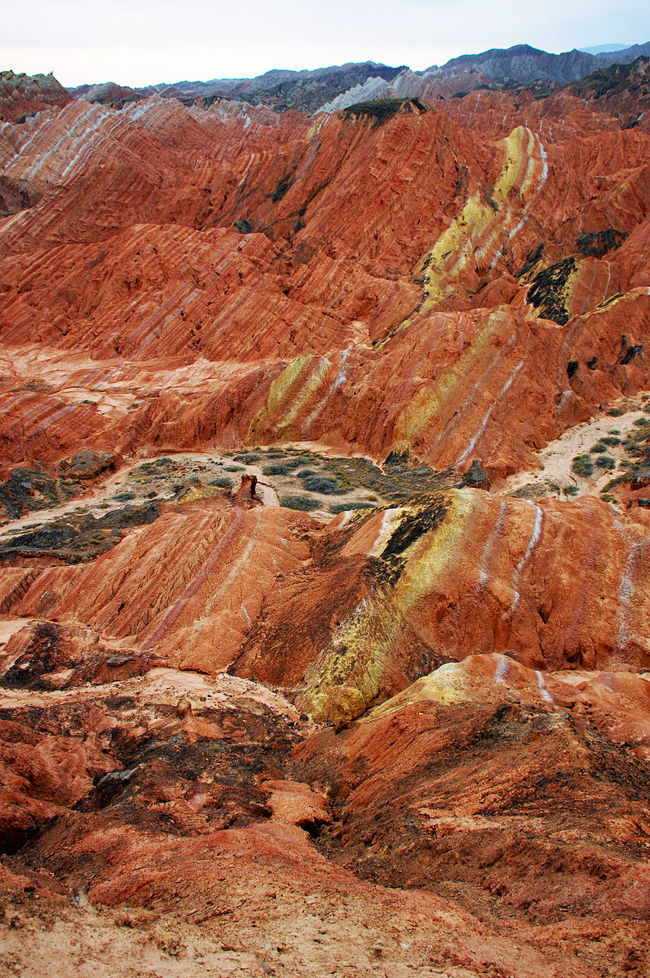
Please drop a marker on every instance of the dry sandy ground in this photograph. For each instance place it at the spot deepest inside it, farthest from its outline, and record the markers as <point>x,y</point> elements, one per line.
<point>555,458</point>
<point>268,927</point>
<point>93,944</point>
<point>100,499</point>
<point>202,466</point>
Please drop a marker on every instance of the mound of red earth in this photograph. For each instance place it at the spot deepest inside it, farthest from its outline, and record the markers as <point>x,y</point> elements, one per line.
<point>394,720</point>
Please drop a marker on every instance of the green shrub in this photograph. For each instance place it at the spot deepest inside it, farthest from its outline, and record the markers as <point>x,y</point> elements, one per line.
<point>605,462</point>
<point>570,490</point>
<point>583,465</point>
<point>247,459</point>
<point>233,468</point>
<point>222,482</point>
<point>298,502</point>
<point>615,412</point>
<point>123,497</point>
<point>316,483</point>
<point>343,507</point>
<point>281,468</point>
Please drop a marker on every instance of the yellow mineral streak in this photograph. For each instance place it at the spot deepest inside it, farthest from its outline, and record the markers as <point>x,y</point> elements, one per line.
<point>436,401</point>
<point>483,223</point>
<point>201,492</point>
<point>473,234</point>
<point>446,685</point>
<point>319,372</point>
<point>428,558</point>
<point>348,674</point>
<point>290,392</point>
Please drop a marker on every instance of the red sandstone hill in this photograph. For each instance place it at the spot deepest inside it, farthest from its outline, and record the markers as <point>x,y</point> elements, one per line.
<point>23,95</point>
<point>390,710</point>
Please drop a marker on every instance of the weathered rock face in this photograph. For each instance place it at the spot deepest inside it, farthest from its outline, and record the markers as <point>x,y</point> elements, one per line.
<point>23,95</point>
<point>485,768</point>
<point>271,636</point>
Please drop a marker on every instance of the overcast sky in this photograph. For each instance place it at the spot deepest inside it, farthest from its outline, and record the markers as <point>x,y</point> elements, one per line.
<point>137,42</point>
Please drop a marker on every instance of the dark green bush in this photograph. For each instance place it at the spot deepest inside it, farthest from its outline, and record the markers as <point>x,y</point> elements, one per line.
<point>583,465</point>
<point>298,502</point>
<point>342,507</point>
<point>316,483</point>
<point>222,481</point>
<point>605,462</point>
<point>281,468</point>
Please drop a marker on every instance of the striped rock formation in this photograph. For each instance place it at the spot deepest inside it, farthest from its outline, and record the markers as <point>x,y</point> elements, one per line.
<point>409,713</point>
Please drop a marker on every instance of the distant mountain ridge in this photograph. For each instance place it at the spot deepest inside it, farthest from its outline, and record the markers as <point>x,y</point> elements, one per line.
<point>339,86</point>
<point>522,64</point>
<point>278,88</point>
<point>604,48</point>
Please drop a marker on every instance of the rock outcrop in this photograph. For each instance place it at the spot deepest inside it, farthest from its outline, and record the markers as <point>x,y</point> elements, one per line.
<point>24,95</point>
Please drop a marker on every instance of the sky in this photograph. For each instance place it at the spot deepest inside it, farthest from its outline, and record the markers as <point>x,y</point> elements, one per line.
<point>140,42</point>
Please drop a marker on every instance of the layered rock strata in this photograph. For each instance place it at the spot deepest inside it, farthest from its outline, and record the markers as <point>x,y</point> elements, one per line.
<point>324,557</point>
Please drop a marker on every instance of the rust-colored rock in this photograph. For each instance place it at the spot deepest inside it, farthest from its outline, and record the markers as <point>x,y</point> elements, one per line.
<point>277,674</point>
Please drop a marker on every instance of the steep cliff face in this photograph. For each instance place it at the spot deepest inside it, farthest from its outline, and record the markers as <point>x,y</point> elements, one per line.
<point>305,582</point>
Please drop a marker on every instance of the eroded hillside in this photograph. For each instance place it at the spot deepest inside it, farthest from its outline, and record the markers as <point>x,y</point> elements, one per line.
<point>324,556</point>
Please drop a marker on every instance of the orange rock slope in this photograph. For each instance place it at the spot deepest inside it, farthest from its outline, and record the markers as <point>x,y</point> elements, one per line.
<point>384,713</point>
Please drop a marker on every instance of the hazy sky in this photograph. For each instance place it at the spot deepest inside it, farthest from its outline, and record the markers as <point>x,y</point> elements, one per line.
<point>135,42</point>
